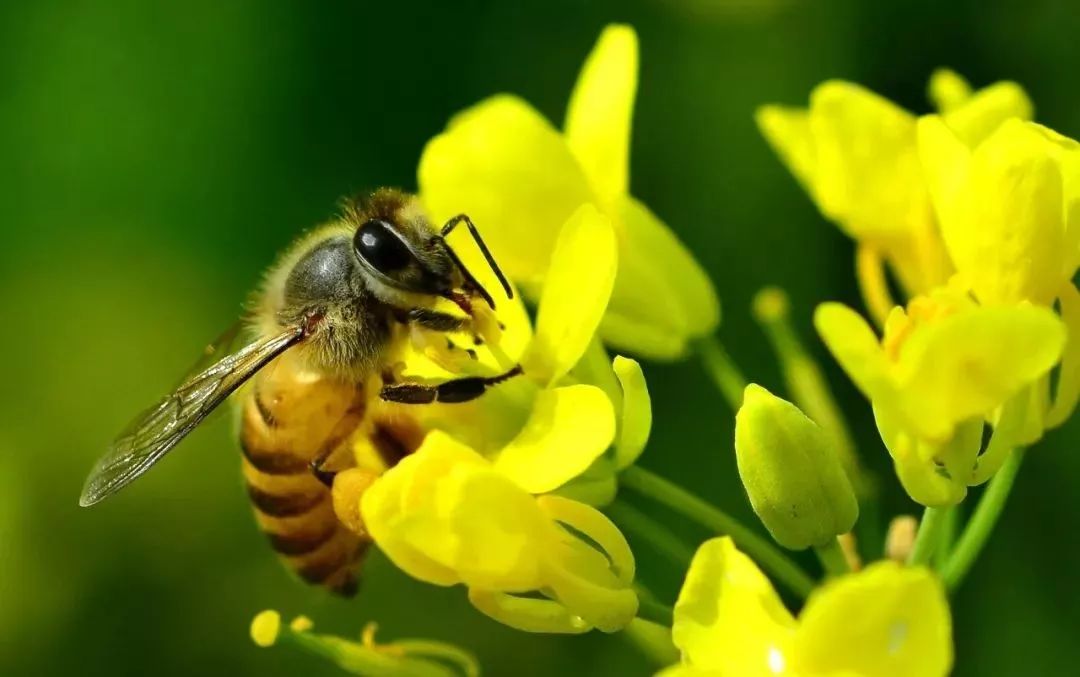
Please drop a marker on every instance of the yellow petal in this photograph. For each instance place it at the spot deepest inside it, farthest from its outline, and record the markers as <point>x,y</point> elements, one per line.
<point>659,287</point>
<point>569,428</point>
<point>728,616</point>
<point>575,295</point>
<point>598,119</point>
<point>867,176</point>
<point>498,532</point>
<point>399,503</point>
<point>505,166</point>
<point>579,577</point>
<point>948,89</point>
<point>597,486</point>
<point>788,132</point>
<point>966,365</point>
<point>946,167</point>
<point>933,474</point>
<point>1009,213</point>
<point>643,337</point>
<point>853,343</point>
<point>596,526</point>
<point>983,113</point>
<point>1068,388</point>
<point>590,569</point>
<point>635,421</point>
<point>903,626</point>
<point>527,614</point>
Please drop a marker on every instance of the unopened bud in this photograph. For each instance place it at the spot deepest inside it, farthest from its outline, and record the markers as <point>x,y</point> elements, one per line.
<point>791,473</point>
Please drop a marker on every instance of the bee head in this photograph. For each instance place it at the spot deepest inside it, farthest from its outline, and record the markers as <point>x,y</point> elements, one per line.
<point>401,252</point>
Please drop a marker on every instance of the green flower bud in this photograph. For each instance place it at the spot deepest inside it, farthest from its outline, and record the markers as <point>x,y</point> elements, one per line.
<point>792,474</point>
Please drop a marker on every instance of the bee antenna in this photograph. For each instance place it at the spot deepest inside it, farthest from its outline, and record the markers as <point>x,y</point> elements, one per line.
<point>464,218</point>
<point>470,281</point>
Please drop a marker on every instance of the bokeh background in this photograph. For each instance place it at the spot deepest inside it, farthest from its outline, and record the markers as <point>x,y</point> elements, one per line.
<point>155,156</point>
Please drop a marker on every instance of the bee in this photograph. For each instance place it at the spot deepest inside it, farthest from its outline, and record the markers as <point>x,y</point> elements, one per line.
<point>327,325</point>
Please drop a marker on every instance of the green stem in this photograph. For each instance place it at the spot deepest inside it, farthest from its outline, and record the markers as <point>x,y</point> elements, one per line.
<point>807,384</point>
<point>687,504</point>
<point>947,537</point>
<point>637,522</point>
<point>928,537</point>
<point>651,610</point>
<point>725,374</point>
<point>982,521</point>
<point>653,640</point>
<point>832,558</point>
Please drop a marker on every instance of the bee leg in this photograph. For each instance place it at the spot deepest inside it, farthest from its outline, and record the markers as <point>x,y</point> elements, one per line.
<point>321,474</point>
<point>345,495</point>
<point>453,391</point>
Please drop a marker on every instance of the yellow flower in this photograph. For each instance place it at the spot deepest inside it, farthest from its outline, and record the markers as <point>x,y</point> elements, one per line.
<point>520,180</point>
<point>447,516</point>
<point>1009,208</point>
<point>791,472</point>
<point>885,621</point>
<point>403,658</point>
<point>943,367</point>
<point>572,303</point>
<point>855,153</point>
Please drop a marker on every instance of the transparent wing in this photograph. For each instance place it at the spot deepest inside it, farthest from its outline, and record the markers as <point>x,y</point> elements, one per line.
<point>222,345</point>
<point>157,430</point>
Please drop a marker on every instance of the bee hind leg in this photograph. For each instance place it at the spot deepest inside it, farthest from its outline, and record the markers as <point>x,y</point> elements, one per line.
<point>348,487</point>
<point>449,392</point>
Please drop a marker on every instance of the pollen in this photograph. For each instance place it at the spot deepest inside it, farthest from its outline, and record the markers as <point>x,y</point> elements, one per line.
<point>265,628</point>
<point>301,624</point>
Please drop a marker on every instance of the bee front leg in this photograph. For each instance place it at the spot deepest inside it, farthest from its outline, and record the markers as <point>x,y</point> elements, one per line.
<point>453,391</point>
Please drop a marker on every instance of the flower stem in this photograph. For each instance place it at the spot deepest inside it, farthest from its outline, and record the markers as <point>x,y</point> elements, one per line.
<point>653,640</point>
<point>687,504</point>
<point>928,537</point>
<point>832,558</point>
<point>807,385</point>
<point>725,374</point>
<point>982,521</point>
<point>947,537</point>
<point>651,610</point>
<point>648,529</point>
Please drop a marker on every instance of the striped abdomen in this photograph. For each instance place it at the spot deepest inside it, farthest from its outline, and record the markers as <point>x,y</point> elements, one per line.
<point>291,418</point>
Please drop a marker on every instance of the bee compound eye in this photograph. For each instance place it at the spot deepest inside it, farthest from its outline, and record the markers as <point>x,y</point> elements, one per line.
<point>376,243</point>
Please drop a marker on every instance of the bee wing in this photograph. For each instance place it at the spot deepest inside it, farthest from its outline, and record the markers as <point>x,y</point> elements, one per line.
<point>157,430</point>
<point>213,351</point>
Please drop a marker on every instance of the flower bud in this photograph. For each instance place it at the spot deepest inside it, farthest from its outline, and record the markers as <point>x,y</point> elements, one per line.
<point>792,474</point>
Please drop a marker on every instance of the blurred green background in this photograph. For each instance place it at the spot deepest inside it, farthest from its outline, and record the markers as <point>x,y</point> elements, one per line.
<point>156,156</point>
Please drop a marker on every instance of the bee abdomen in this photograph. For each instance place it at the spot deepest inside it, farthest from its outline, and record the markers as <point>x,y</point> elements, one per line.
<point>288,504</point>
<point>296,514</point>
<point>288,423</point>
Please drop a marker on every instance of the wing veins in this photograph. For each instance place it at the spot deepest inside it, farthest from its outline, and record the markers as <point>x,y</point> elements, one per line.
<point>157,430</point>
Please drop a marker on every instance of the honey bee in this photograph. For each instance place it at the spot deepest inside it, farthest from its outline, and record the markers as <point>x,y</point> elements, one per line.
<point>326,326</point>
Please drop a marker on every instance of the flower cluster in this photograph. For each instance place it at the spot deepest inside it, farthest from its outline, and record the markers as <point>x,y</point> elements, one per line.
<point>477,507</point>
<point>974,209</point>
<point>518,497</point>
<point>730,621</point>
